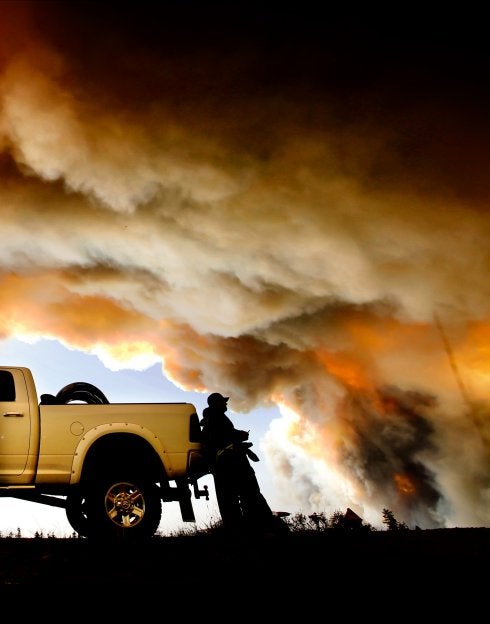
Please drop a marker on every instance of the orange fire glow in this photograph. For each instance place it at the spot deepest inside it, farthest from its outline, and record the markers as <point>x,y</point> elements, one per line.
<point>349,372</point>
<point>475,353</point>
<point>404,484</point>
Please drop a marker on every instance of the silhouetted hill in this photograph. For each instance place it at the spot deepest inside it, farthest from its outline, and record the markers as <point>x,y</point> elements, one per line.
<point>293,567</point>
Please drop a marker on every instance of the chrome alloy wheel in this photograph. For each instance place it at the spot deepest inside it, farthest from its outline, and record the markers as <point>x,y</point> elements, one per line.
<point>125,504</point>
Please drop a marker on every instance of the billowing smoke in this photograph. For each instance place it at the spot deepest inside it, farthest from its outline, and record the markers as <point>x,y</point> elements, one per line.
<point>290,209</point>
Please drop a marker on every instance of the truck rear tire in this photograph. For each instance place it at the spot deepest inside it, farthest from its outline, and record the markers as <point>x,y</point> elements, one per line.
<point>128,509</point>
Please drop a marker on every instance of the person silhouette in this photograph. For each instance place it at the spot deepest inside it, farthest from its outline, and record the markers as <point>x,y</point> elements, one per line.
<point>240,501</point>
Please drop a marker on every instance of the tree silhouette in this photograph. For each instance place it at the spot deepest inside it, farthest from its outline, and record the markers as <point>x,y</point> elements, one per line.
<point>391,522</point>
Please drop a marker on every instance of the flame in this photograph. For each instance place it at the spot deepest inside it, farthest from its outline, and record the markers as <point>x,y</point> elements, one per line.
<point>404,484</point>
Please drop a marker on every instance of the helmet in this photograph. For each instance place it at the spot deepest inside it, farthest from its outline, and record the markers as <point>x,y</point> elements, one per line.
<point>216,399</point>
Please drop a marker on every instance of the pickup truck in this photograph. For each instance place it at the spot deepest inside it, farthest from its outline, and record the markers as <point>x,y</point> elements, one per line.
<point>109,465</point>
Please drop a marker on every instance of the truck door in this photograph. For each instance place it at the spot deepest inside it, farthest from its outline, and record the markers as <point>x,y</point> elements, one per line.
<point>15,424</point>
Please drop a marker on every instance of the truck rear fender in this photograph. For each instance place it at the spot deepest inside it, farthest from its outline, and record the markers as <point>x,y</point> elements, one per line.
<point>115,438</point>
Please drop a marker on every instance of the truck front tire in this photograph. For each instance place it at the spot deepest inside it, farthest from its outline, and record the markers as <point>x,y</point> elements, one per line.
<point>76,512</point>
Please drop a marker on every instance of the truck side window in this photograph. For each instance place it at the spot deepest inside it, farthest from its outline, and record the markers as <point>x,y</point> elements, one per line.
<point>7,386</point>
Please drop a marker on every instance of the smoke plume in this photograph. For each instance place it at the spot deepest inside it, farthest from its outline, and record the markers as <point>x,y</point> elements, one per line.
<point>292,209</point>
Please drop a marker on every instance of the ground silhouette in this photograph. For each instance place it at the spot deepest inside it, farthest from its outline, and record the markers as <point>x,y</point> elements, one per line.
<point>409,562</point>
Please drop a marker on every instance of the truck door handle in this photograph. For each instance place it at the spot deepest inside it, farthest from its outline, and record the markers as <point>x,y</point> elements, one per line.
<point>14,414</point>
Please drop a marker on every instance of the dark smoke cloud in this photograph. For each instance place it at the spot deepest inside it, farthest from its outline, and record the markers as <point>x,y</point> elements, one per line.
<point>277,203</point>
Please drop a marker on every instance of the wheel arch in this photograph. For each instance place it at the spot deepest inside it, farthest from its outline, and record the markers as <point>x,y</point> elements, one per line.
<point>104,450</point>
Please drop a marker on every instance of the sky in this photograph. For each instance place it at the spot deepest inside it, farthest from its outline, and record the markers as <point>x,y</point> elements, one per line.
<point>282,203</point>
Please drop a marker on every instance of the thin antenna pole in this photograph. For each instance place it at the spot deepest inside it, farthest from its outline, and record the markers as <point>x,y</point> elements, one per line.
<point>452,361</point>
<point>472,410</point>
